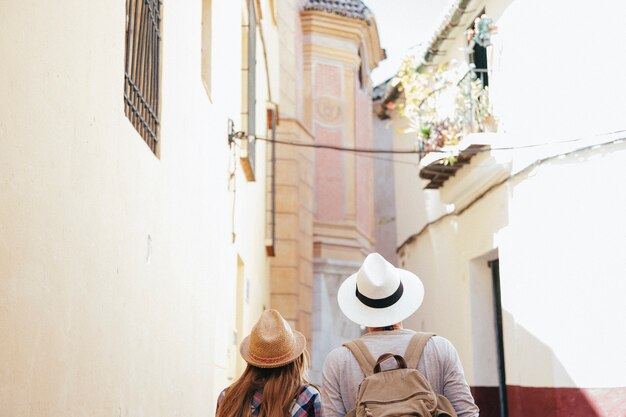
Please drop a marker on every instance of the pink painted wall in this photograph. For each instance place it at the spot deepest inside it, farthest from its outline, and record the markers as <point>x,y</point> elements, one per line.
<point>329,176</point>
<point>338,122</point>
<point>329,164</point>
<point>327,80</point>
<point>364,167</point>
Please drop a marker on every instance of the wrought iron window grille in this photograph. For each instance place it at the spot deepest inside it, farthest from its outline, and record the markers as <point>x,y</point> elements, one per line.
<point>142,68</point>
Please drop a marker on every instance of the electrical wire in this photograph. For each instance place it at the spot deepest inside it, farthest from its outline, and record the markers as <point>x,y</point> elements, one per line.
<point>355,150</point>
<point>365,152</point>
<point>339,148</point>
<point>368,153</point>
<point>511,177</point>
<point>395,161</point>
<point>421,153</point>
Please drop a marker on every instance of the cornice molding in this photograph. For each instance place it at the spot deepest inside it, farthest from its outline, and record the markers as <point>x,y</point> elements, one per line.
<point>357,31</point>
<point>341,55</point>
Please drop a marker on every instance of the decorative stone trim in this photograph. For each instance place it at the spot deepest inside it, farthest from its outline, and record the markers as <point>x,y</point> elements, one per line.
<point>349,8</point>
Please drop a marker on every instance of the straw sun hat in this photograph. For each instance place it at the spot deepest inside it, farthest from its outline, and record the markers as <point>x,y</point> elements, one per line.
<point>380,294</point>
<point>272,343</point>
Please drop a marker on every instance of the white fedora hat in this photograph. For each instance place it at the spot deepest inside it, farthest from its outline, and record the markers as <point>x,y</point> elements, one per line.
<point>380,294</point>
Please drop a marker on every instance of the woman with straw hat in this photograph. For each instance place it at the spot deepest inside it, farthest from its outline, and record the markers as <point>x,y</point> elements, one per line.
<point>274,382</point>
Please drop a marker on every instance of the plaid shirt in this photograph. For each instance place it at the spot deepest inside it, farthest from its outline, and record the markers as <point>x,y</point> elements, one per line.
<point>306,404</point>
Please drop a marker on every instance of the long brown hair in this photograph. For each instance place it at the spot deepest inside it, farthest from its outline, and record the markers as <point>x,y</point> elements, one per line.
<point>280,386</point>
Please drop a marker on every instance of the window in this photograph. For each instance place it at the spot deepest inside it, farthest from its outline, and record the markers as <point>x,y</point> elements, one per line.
<point>478,53</point>
<point>480,63</point>
<point>142,68</point>
<point>362,75</point>
<point>207,25</point>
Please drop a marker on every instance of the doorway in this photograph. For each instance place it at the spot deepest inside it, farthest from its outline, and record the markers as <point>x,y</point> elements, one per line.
<point>489,378</point>
<point>497,310</point>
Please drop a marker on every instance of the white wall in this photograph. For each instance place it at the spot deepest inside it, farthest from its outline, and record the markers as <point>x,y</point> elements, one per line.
<point>556,67</point>
<point>558,228</point>
<point>572,273</point>
<point>118,271</point>
<point>559,67</point>
<point>559,232</point>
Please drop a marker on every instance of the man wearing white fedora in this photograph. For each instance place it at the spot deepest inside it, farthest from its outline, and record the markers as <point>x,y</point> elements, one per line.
<point>380,296</point>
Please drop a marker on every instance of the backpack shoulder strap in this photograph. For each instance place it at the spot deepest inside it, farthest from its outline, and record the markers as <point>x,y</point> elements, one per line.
<point>362,356</point>
<point>415,349</point>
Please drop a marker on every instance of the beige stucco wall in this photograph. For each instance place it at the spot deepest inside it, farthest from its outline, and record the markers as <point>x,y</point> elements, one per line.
<point>556,229</point>
<point>414,208</point>
<point>292,267</point>
<point>118,271</point>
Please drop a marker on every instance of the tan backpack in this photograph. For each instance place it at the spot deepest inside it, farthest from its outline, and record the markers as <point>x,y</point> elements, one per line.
<point>402,391</point>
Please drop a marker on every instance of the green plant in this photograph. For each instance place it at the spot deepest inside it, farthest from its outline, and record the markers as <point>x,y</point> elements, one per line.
<point>441,103</point>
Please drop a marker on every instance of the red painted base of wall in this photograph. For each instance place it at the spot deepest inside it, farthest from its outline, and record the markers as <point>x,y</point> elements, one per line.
<point>554,402</point>
<point>487,399</point>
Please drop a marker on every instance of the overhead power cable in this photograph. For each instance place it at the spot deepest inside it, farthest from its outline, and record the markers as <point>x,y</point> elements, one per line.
<point>458,211</point>
<point>418,152</point>
<point>340,148</point>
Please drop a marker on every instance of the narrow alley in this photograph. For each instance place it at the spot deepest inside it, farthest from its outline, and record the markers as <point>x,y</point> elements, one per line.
<point>170,171</point>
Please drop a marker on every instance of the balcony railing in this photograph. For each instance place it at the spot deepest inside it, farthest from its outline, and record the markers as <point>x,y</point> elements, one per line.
<point>473,112</point>
<point>441,157</point>
<point>479,113</point>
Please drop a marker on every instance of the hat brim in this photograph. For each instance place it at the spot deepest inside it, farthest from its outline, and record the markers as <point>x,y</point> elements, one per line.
<point>298,348</point>
<point>359,313</point>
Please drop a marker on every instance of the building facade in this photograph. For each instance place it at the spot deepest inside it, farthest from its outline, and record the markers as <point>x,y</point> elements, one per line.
<point>341,48</point>
<point>158,191</point>
<point>518,240</point>
<point>135,244</point>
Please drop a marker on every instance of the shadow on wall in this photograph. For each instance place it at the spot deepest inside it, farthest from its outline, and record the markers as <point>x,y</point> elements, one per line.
<point>570,401</point>
<point>600,210</point>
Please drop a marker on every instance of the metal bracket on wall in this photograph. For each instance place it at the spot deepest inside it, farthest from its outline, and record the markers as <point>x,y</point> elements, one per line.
<point>232,134</point>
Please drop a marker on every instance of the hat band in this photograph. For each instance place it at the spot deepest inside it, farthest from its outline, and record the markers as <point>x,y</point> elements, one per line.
<point>381,302</point>
<point>268,361</point>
